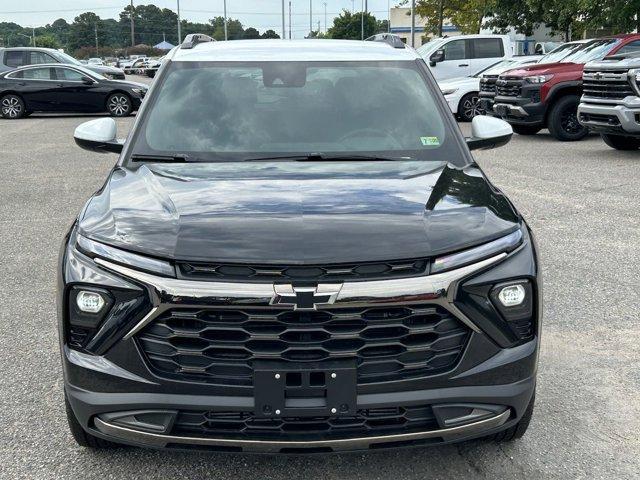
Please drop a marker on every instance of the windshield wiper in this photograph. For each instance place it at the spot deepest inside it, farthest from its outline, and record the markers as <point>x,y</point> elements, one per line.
<point>161,158</point>
<point>319,157</point>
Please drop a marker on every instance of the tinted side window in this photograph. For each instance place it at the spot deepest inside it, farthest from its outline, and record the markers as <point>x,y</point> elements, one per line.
<point>36,58</point>
<point>14,58</point>
<point>68,74</point>
<point>455,50</point>
<point>488,48</point>
<point>630,47</point>
<point>37,74</point>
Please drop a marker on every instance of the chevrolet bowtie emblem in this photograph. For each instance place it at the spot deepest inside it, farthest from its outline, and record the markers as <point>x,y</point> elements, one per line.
<point>305,298</point>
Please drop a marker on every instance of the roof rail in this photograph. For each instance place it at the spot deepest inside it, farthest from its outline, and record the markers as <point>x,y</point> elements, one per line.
<point>194,39</point>
<point>393,40</point>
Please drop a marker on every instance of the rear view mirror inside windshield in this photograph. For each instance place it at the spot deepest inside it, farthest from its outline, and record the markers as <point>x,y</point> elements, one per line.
<point>284,76</point>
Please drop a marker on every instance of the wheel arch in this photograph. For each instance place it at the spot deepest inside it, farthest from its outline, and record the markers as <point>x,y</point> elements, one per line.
<point>559,91</point>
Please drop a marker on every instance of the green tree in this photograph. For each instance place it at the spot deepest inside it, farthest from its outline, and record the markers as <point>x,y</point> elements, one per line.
<point>251,33</point>
<point>47,41</point>
<point>467,15</point>
<point>616,15</point>
<point>349,26</point>
<point>270,34</point>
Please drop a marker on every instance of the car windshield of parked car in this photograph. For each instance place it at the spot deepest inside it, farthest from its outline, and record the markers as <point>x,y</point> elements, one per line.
<point>431,46</point>
<point>592,51</point>
<point>560,52</point>
<point>213,111</point>
<point>497,68</point>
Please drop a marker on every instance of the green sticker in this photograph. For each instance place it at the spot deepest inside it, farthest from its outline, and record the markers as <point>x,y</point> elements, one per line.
<point>429,141</point>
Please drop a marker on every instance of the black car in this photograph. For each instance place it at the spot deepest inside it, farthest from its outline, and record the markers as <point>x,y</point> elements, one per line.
<point>66,88</point>
<point>16,57</point>
<point>297,253</point>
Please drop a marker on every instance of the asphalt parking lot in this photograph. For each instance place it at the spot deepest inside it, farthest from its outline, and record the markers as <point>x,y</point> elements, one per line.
<point>582,200</point>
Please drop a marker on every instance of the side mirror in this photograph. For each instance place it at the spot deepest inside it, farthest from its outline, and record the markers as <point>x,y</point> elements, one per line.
<point>488,132</point>
<point>98,136</point>
<point>87,80</point>
<point>436,57</point>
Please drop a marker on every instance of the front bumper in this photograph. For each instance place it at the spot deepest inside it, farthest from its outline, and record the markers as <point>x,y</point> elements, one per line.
<point>623,117</point>
<point>491,376</point>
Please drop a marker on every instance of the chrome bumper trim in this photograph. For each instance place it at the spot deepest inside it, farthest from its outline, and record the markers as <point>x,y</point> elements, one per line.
<point>271,446</point>
<point>165,293</point>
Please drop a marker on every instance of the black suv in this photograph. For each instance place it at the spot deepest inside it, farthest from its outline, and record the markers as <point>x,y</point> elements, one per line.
<point>296,252</point>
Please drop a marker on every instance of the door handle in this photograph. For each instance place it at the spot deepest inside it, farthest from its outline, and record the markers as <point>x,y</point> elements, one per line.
<point>22,84</point>
<point>59,84</point>
<point>463,65</point>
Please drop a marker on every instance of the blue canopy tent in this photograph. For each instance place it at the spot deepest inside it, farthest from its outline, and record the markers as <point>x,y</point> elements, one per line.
<point>164,45</point>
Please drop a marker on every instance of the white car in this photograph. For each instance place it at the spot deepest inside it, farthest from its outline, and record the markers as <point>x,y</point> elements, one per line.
<point>95,61</point>
<point>462,93</point>
<point>454,57</point>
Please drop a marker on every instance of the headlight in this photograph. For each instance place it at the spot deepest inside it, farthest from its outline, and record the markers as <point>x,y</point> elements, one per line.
<point>108,75</point>
<point>123,257</point>
<point>449,91</point>
<point>538,78</point>
<point>472,255</point>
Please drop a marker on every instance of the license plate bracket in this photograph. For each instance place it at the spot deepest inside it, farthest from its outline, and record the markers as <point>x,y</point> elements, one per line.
<point>323,389</point>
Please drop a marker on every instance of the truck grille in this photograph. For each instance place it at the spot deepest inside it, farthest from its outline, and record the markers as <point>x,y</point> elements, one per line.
<point>311,273</point>
<point>488,84</point>
<point>606,85</point>
<point>374,421</point>
<point>509,87</point>
<point>219,346</point>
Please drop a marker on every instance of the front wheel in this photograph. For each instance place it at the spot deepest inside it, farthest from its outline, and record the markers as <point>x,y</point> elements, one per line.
<point>83,438</point>
<point>470,107</point>
<point>119,105</point>
<point>526,129</point>
<point>563,120</point>
<point>621,143</point>
<point>12,107</point>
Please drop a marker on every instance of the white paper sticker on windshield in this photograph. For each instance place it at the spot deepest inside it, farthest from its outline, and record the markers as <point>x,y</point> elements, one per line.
<point>430,141</point>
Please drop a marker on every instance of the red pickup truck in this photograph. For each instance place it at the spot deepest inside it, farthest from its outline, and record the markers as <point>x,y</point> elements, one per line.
<point>547,95</point>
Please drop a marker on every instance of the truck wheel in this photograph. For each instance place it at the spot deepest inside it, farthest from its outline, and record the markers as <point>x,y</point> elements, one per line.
<point>519,429</point>
<point>469,107</point>
<point>621,143</point>
<point>81,437</point>
<point>526,129</point>
<point>563,120</point>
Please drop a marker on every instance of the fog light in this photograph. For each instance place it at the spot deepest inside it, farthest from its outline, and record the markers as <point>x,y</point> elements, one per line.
<point>512,295</point>
<point>89,302</point>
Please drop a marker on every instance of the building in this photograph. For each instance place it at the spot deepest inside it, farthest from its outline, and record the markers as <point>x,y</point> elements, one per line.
<point>401,25</point>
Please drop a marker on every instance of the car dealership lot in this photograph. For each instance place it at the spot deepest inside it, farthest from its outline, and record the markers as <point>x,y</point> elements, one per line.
<point>582,200</point>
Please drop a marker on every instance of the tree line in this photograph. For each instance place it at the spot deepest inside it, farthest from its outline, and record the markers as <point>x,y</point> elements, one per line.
<point>571,18</point>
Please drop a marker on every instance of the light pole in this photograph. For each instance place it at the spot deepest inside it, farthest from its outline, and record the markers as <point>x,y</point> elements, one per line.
<point>284,33</point>
<point>310,17</point>
<point>325,17</point>
<point>388,16</point>
<point>133,42</point>
<point>179,26</point>
<point>226,33</point>
<point>23,35</point>
<point>96,32</point>
<point>413,23</point>
<point>33,33</point>
<point>289,19</point>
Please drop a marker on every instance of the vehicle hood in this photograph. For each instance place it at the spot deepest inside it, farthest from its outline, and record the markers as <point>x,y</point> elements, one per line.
<point>296,213</point>
<point>103,69</point>
<point>544,69</point>
<point>615,63</point>
<point>127,83</point>
<point>460,82</point>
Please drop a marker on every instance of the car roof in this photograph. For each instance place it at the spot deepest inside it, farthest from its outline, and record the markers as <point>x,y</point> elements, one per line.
<point>293,50</point>
<point>39,49</point>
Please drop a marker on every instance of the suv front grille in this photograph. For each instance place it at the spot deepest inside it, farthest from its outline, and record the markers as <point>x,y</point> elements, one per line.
<point>509,87</point>
<point>488,84</point>
<point>219,346</point>
<point>369,422</point>
<point>606,85</point>
<point>311,273</point>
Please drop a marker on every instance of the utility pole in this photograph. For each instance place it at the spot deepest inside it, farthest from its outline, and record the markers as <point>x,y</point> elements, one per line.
<point>388,16</point>
<point>133,41</point>
<point>413,23</point>
<point>362,22</point>
<point>440,17</point>
<point>33,34</point>
<point>289,19</point>
<point>226,33</point>
<point>96,32</point>
<point>310,17</point>
<point>325,17</point>
<point>284,36</point>
<point>179,26</point>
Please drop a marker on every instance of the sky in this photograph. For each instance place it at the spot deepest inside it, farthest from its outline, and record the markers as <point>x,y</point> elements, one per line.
<point>261,14</point>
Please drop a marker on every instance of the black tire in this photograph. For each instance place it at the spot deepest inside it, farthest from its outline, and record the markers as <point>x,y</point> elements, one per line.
<point>519,429</point>
<point>119,105</point>
<point>621,143</point>
<point>563,121</point>
<point>81,437</point>
<point>469,107</point>
<point>12,107</point>
<point>526,129</point>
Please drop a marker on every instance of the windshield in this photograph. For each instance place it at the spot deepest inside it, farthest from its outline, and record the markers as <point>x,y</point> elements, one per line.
<point>498,68</point>
<point>431,46</point>
<point>64,58</point>
<point>595,50</point>
<point>237,110</point>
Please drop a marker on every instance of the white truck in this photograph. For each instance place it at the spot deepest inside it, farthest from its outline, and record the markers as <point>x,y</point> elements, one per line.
<point>461,56</point>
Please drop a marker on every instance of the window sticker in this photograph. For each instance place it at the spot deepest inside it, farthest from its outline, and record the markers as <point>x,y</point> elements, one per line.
<point>430,141</point>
